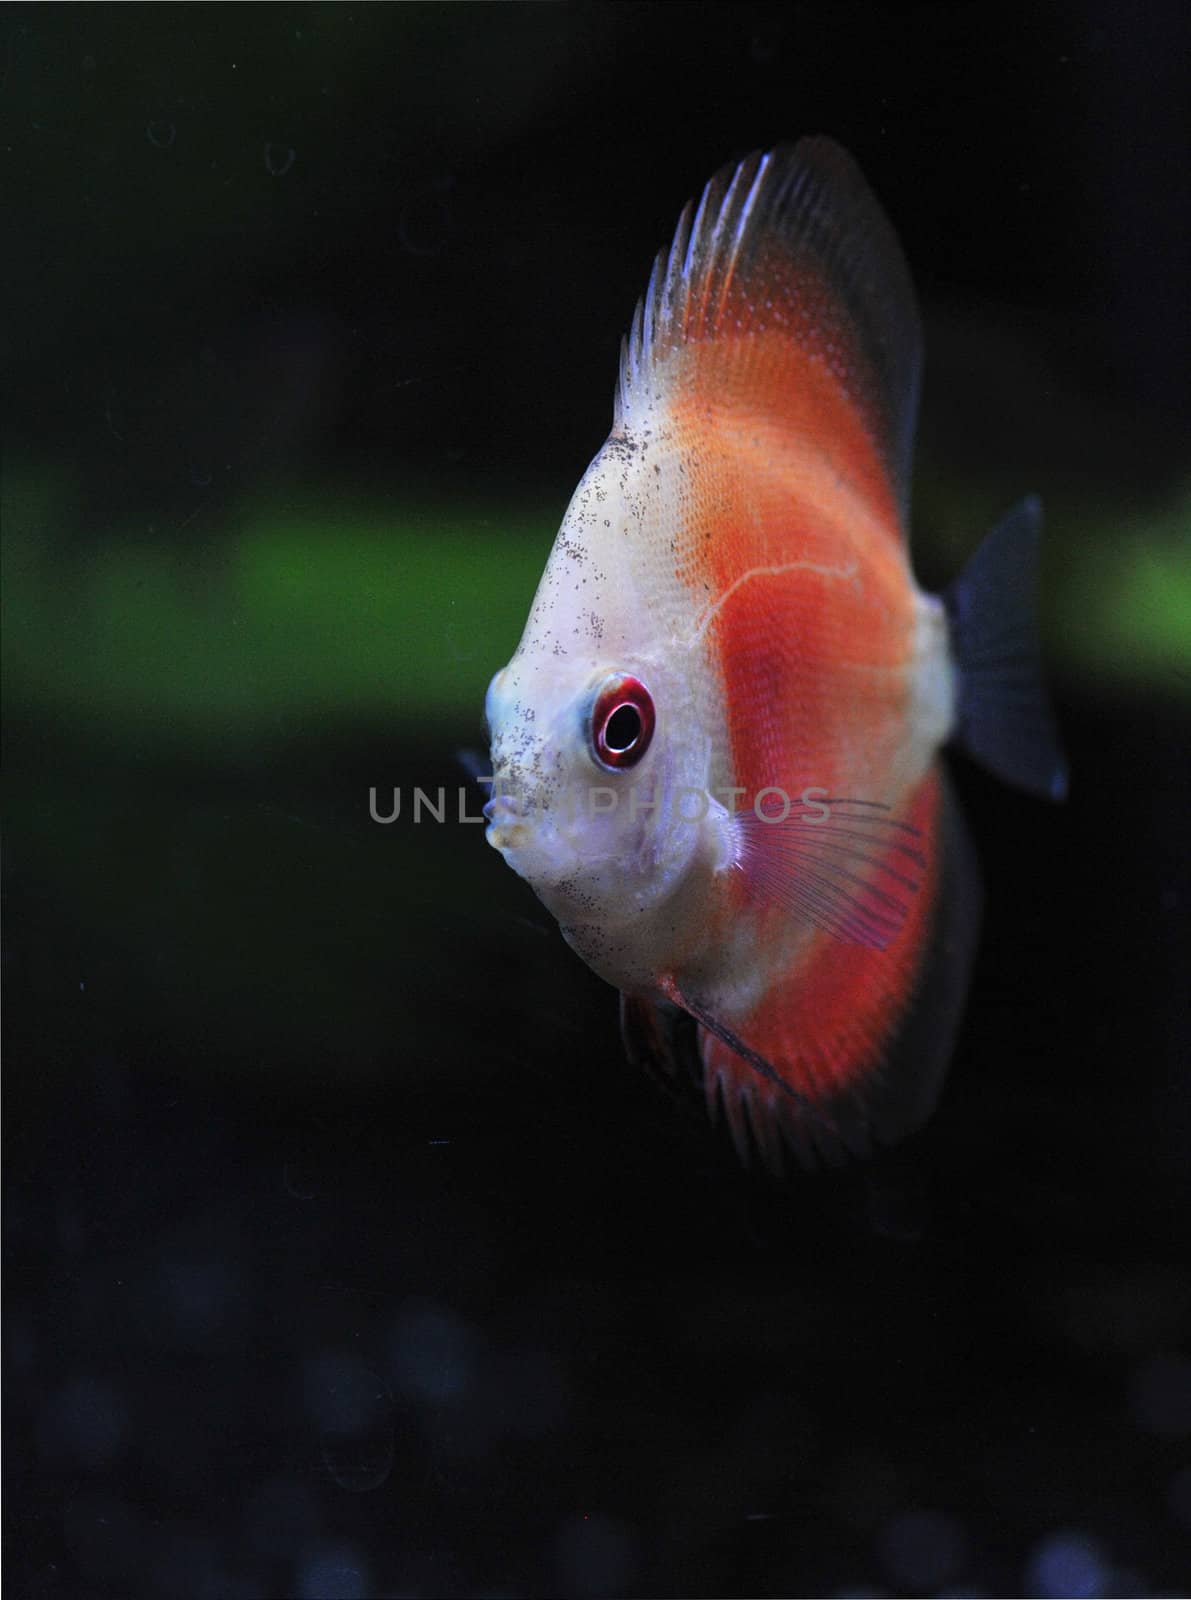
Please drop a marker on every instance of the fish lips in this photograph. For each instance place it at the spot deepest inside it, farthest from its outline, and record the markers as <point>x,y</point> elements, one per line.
<point>542,843</point>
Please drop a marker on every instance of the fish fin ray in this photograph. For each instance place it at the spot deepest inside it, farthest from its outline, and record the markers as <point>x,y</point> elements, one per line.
<point>659,1037</point>
<point>822,1116</point>
<point>719,1030</point>
<point>1005,720</point>
<point>850,874</point>
<point>791,240</point>
<point>905,1085</point>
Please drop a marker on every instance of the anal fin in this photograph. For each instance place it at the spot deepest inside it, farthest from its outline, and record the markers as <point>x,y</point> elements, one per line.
<point>851,1049</point>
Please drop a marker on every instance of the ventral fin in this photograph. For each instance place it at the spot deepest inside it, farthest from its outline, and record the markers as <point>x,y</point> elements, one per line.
<point>848,867</point>
<point>791,248</point>
<point>778,1084</point>
<point>660,1037</point>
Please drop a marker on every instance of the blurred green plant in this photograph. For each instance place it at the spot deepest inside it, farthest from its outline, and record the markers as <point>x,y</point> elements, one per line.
<point>298,615</point>
<point>1116,578</point>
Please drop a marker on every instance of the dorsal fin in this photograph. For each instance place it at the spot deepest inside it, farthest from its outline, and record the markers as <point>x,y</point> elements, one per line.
<point>793,243</point>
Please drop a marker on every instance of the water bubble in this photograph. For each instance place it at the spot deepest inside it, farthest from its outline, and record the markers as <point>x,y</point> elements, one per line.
<point>1178,1497</point>
<point>424,223</point>
<point>183,1562</point>
<point>341,1394</point>
<point>279,158</point>
<point>360,1462</point>
<point>528,1390</point>
<point>296,1183</point>
<point>105,1537</point>
<point>922,1549</point>
<point>199,1295</point>
<point>21,1340</point>
<point>280,1513</point>
<point>84,1423</point>
<point>161,132</point>
<point>898,1210</point>
<point>763,48</point>
<point>223,1585</point>
<point>351,1406</point>
<point>595,1555</point>
<point>434,1352</point>
<point>1160,1395</point>
<point>333,1572</point>
<point>1067,1566</point>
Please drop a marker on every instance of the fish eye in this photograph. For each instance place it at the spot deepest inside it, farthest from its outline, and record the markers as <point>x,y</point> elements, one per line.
<point>622,722</point>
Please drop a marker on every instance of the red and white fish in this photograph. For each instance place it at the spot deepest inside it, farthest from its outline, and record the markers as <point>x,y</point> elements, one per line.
<point>716,752</point>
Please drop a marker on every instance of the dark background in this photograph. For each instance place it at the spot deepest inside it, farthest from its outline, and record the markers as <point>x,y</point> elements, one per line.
<point>345,1256</point>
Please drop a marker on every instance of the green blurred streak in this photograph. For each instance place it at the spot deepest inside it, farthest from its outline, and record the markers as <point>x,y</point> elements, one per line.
<point>1125,614</point>
<point>313,614</point>
<point>299,617</point>
<point>1116,578</point>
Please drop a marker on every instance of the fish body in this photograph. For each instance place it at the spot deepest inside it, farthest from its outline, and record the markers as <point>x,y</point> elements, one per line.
<point>716,749</point>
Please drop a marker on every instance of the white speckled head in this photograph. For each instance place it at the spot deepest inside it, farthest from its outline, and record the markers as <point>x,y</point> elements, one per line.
<point>605,837</point>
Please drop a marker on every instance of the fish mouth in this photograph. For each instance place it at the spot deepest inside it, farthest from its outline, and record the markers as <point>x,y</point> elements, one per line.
<point>506,828</point>
<point>506,839</point>
<point>507,836</point>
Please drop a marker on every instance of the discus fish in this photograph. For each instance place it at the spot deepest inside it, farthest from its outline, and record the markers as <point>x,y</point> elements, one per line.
<point>716,751</point>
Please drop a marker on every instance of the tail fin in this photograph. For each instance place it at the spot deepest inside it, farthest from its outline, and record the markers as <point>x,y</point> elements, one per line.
<point>1005,720</point>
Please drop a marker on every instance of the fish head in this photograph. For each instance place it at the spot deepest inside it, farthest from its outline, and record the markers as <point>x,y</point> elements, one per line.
<point>601,756</point>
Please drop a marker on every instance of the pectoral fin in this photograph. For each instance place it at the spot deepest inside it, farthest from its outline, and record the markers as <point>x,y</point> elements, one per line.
<point>848,867</point>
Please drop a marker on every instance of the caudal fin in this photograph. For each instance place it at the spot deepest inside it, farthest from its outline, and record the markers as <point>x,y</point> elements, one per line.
<point>1005,719</point>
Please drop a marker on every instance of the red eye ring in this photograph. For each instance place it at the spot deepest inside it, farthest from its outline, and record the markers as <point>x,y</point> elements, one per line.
<point>622,722</point>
